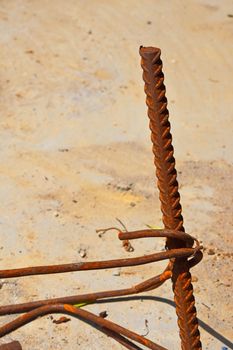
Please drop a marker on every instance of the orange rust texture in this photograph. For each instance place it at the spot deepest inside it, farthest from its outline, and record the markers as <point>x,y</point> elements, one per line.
<point>168,192</point>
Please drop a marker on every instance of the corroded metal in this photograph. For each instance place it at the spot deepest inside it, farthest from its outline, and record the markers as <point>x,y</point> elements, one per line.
<point>38,308</point>
<point>14,345</point>
<point>183,250</point>
<point>98,265</point>
<point>148,284</point>
<point>168,192</point>
<point>81,314</point>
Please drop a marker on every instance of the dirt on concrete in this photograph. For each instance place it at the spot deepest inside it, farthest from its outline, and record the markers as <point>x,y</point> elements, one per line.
<point>76,155</point>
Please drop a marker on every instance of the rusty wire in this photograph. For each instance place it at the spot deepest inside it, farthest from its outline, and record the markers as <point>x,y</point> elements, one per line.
<point>98,265</point>
<point>41,307</point>
<point>81,314</point>
<point>179,245</point>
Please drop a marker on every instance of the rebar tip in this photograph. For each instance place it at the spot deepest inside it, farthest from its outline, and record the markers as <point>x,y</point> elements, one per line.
<point>149,50</point>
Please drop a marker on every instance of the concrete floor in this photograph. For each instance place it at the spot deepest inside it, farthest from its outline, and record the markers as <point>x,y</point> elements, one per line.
<point>76,154</point>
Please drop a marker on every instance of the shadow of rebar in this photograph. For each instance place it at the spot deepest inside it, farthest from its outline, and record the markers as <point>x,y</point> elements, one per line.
<point>202,324</point>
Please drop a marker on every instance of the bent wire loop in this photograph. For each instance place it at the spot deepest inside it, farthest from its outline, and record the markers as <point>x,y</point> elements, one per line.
<point>64,305</point>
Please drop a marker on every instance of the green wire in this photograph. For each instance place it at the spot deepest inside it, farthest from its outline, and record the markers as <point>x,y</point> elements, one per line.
<point>82,304</point>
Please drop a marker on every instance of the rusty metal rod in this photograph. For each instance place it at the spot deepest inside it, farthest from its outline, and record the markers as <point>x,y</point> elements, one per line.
<point>98,265</point>
<point>168,192</point>
<point>127,235</point>
<point>84,315</point>
<point>148,284</point>
<point>14,345</point>
<point>157,233</point>
<point>169,234</point>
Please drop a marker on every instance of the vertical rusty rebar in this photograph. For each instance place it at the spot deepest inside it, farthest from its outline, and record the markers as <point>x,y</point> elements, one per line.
<point>168,190</point>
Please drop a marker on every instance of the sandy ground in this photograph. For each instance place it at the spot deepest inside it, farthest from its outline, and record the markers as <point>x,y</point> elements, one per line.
<point>76,154</point>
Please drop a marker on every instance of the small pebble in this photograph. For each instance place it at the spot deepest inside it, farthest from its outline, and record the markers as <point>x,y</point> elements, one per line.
<point>194,279</point>
<point>103,314</point>
<point>63,149</point>
<point>117,272</point>
<point>62,319</point>
<point>82,252</point>
<point>123,187</point>
<point>211,251</point>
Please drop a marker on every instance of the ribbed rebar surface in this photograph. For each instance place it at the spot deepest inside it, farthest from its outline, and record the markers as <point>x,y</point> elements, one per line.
<point>168,192</point>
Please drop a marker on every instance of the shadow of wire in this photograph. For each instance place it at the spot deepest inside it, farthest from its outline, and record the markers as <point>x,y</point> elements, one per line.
<point>202,324</point>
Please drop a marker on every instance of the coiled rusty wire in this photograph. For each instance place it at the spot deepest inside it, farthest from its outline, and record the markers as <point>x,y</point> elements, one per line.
<point>42,307</point>
<point>180,251</point>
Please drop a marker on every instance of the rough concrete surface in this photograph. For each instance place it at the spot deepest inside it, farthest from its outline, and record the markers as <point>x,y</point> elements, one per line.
<point>76,155</point>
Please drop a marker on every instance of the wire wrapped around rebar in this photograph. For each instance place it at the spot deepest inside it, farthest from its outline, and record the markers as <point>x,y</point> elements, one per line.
<point>38,308</point>
<point>168,192</point>
<point>179,244</point>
